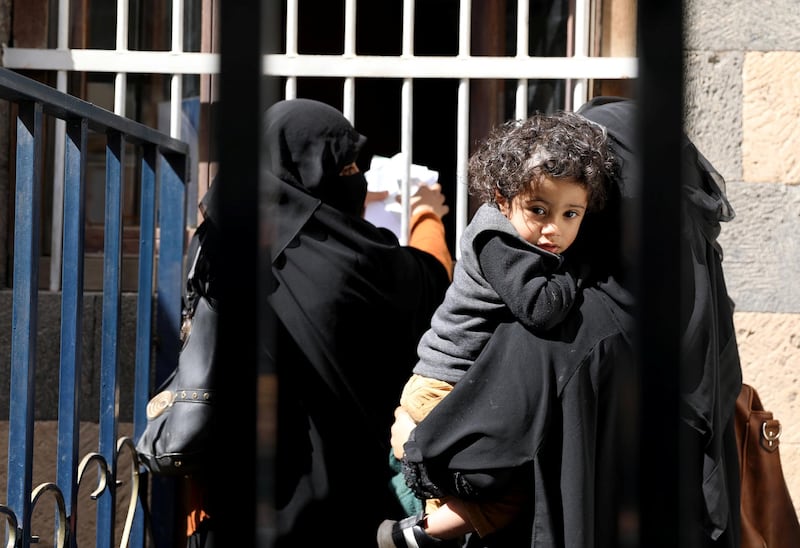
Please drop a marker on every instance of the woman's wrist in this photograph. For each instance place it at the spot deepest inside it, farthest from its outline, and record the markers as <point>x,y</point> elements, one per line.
<point>420,209</point>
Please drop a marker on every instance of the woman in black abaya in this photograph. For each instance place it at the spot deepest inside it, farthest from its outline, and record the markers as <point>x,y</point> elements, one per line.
<point>351,305</point>
<point>552,412</point>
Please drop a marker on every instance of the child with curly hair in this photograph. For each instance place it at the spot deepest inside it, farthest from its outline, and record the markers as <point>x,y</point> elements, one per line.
<point>537,179</point>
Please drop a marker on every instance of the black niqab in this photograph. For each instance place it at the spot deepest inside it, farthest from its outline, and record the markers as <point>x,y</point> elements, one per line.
<point>308,143</point>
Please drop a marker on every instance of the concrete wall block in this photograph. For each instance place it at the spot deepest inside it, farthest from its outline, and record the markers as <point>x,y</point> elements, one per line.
<point>742,25</point>
<point>770,112</point>
<point>713,84</point>
<point>790,462</point>
<point>48,355</point>
<point>760,253</point>
<point>769,348</point>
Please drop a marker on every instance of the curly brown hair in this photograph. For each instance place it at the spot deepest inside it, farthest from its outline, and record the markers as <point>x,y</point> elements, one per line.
<point>518,154</point>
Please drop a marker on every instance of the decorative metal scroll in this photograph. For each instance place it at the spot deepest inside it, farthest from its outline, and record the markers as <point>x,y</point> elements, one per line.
<point>125,447</point>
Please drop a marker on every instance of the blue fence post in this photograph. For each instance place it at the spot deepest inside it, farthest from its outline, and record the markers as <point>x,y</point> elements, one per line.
<point>144,319</point>
<point>168,157</point>
<point>169,279</point>
<point>71,314</point>
<point>172,235</point>
<point>109,363</point>
<point>27,217</point>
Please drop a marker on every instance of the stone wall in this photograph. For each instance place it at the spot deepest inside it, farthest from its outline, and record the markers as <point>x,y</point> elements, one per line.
<point>48,341</point>
<point>743,113</point>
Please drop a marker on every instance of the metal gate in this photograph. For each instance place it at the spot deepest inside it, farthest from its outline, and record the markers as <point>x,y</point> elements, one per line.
<point>162,202</point>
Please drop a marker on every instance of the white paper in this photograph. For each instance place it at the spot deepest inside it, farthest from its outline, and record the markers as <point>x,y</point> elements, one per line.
<point>386,174</point>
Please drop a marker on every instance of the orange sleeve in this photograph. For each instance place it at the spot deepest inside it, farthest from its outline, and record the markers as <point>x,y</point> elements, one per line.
<point>194,495</point>
<point>427,234</point>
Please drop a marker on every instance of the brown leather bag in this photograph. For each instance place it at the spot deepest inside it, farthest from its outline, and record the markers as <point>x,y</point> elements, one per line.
<point>769,519</point>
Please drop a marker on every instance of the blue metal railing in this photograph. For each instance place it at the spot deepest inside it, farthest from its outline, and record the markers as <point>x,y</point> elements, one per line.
<point>162,198</point>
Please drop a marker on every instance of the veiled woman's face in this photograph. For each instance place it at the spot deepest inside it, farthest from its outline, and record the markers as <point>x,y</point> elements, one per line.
<point>349,169</point>
<point>548,217</point>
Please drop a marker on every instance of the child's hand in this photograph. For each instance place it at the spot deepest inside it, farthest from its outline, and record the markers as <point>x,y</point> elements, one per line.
<point>401,430</point>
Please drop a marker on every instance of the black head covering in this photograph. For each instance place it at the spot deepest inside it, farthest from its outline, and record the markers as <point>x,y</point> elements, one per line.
<point>308,143</point>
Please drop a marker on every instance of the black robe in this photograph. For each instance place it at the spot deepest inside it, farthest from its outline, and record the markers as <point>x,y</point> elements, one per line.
<point>710,370</point>
<point>539,411</point>
<point>351,305</point>
<point>552,413</point>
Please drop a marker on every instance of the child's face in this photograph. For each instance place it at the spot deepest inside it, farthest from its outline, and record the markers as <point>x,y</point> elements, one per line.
<point>550,216</point>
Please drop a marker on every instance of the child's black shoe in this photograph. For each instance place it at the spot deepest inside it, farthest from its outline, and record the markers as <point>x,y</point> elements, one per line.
<point>408,533</point>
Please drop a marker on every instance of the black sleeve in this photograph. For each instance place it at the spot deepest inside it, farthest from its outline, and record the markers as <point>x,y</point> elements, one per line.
<point>509,406</point>
<point>526,280</point>
<point>491,425</point>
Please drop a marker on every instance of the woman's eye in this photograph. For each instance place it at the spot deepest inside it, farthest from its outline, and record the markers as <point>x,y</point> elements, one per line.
<point>537,210</point>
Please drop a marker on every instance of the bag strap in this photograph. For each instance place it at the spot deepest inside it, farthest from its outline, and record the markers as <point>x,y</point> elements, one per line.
<point>199,273</point>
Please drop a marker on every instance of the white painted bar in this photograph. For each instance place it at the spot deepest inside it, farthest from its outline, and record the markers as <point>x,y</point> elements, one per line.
<point>461,206</point>
<point>349,105</point>
<point>59,147</point>
<point>96,60</point>
<point>164,62</point>
<point>580,92</point>
<point>121,78</point>
<point>521,96</point>
<point>176,80</point>
<point>558,68</point>
<point>291,45</point>
<point>406,147</point>
<point>406,120</point>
